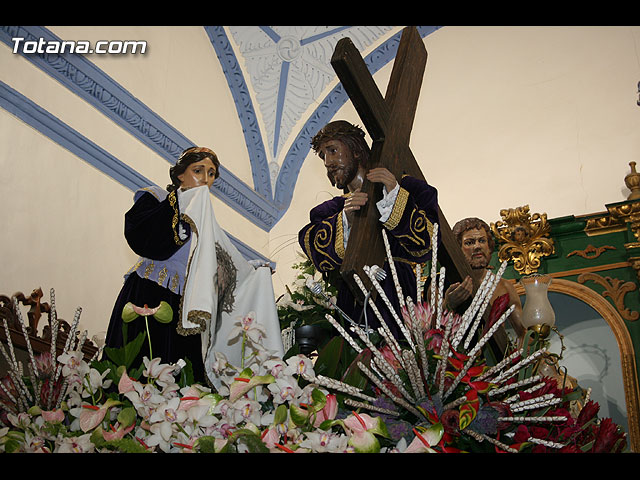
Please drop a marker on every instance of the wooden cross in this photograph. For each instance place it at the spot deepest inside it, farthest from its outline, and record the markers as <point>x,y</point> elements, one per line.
<point>389,121</point>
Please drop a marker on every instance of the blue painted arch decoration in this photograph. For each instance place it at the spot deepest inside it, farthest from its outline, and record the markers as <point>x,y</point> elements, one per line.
<point>274,94</point>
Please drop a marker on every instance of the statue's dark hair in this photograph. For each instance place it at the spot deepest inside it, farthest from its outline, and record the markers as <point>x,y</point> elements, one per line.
<point>473,223</point>
<point>187,157</point>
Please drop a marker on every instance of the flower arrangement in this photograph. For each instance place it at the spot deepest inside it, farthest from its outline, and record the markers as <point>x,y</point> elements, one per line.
<point>264,405</point>
<point>430,391</point>
<point>435,391</point>
<point>299,306</point>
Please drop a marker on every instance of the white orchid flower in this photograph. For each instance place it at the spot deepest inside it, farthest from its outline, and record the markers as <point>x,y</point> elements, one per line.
<point>161,373</point>
<point>284,390</point>
<point>81,444</point>
<point>249,327</point>
<point>325,442</point>
<point>73,364</point>
<point>286,301</point>
<point>166,418</point>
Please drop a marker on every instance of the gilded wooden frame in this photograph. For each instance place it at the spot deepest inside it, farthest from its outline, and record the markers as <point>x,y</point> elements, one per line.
<point>627,354</point>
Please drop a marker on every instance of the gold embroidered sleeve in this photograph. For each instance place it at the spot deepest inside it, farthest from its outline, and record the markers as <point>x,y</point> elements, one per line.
<point>173,201</point>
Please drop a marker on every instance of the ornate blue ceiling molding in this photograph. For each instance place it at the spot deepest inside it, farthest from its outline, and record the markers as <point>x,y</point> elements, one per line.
<point>244,107</point>
<point>261,206</point>
<point>68,138</point>
<point>91,84</point>
<point>325,112</point>
<point>286,179</point>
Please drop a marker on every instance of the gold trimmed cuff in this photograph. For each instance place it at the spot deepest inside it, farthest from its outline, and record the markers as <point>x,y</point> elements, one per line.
<point>339,246</point>
<point>398,209</point>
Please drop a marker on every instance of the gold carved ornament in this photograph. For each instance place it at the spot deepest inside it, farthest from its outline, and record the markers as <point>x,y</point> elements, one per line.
<point>615,289</point>
<point>524,238</point>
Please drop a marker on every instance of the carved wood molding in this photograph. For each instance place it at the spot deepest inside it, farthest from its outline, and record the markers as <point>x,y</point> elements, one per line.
<point>615,289</point>
<point>591,252</point>
<point>623,338</point>
<point>40,343</point>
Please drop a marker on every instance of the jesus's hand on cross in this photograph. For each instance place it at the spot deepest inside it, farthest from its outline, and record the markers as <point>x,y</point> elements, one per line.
<point>384,176</point>
<point>355,200</point>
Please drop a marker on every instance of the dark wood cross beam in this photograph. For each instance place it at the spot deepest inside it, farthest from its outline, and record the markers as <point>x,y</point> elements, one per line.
<point>389,121</point>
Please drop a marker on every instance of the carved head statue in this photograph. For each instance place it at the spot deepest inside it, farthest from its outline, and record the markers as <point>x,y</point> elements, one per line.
<point>472,223</point>
<point>476,240</point>
<point>187,157</point>
<point>344,150</point>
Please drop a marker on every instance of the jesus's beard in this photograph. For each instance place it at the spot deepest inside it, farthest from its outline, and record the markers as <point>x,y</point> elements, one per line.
<point>345,176</point>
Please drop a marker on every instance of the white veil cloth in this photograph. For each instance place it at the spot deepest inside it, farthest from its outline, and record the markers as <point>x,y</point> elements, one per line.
<point>213,300</point>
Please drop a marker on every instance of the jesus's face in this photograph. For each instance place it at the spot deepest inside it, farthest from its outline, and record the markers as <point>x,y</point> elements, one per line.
<point>475,246</point>
<point>341,165</point>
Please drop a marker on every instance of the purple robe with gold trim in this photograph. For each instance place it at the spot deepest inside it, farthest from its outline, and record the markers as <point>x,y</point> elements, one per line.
<point>409,229</point>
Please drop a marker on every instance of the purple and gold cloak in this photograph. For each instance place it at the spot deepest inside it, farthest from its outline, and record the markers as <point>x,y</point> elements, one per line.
<point>409,228</point>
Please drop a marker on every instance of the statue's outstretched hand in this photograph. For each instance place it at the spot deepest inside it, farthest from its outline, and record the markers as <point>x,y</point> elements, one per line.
<point>458,292</point>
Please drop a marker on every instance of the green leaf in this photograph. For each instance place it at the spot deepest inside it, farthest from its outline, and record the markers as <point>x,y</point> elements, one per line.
<point>127,416</point>
<point>13,441</point>
<point>280,415</point>
<point>299,415</point>
<point>329,358</point>
<point>186,374</point>
<point>123,445</point>
<point>128,314</point>
<point>353,375</point>
<point>319,400</point>
<point>126,354</point>
<point>206,444</point>
<point>253,441</point>
<point>164,313</point>
<point>365,442</point>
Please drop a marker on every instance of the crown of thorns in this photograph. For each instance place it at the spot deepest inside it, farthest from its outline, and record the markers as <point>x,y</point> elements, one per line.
<point>337,129</point>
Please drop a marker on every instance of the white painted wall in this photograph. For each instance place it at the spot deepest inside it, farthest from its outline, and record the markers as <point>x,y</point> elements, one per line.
<point>508,116</point>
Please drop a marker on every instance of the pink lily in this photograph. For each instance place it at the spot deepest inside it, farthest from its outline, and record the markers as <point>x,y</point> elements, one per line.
<point>328,412</point>
<point>56,415</point>
<point>270,437</point>
<point>363,430</point>
<point>117,432</point>
<point>426,439</point>
<point>125,384</point>
<point>91,416</point>
<point>163,312</point>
